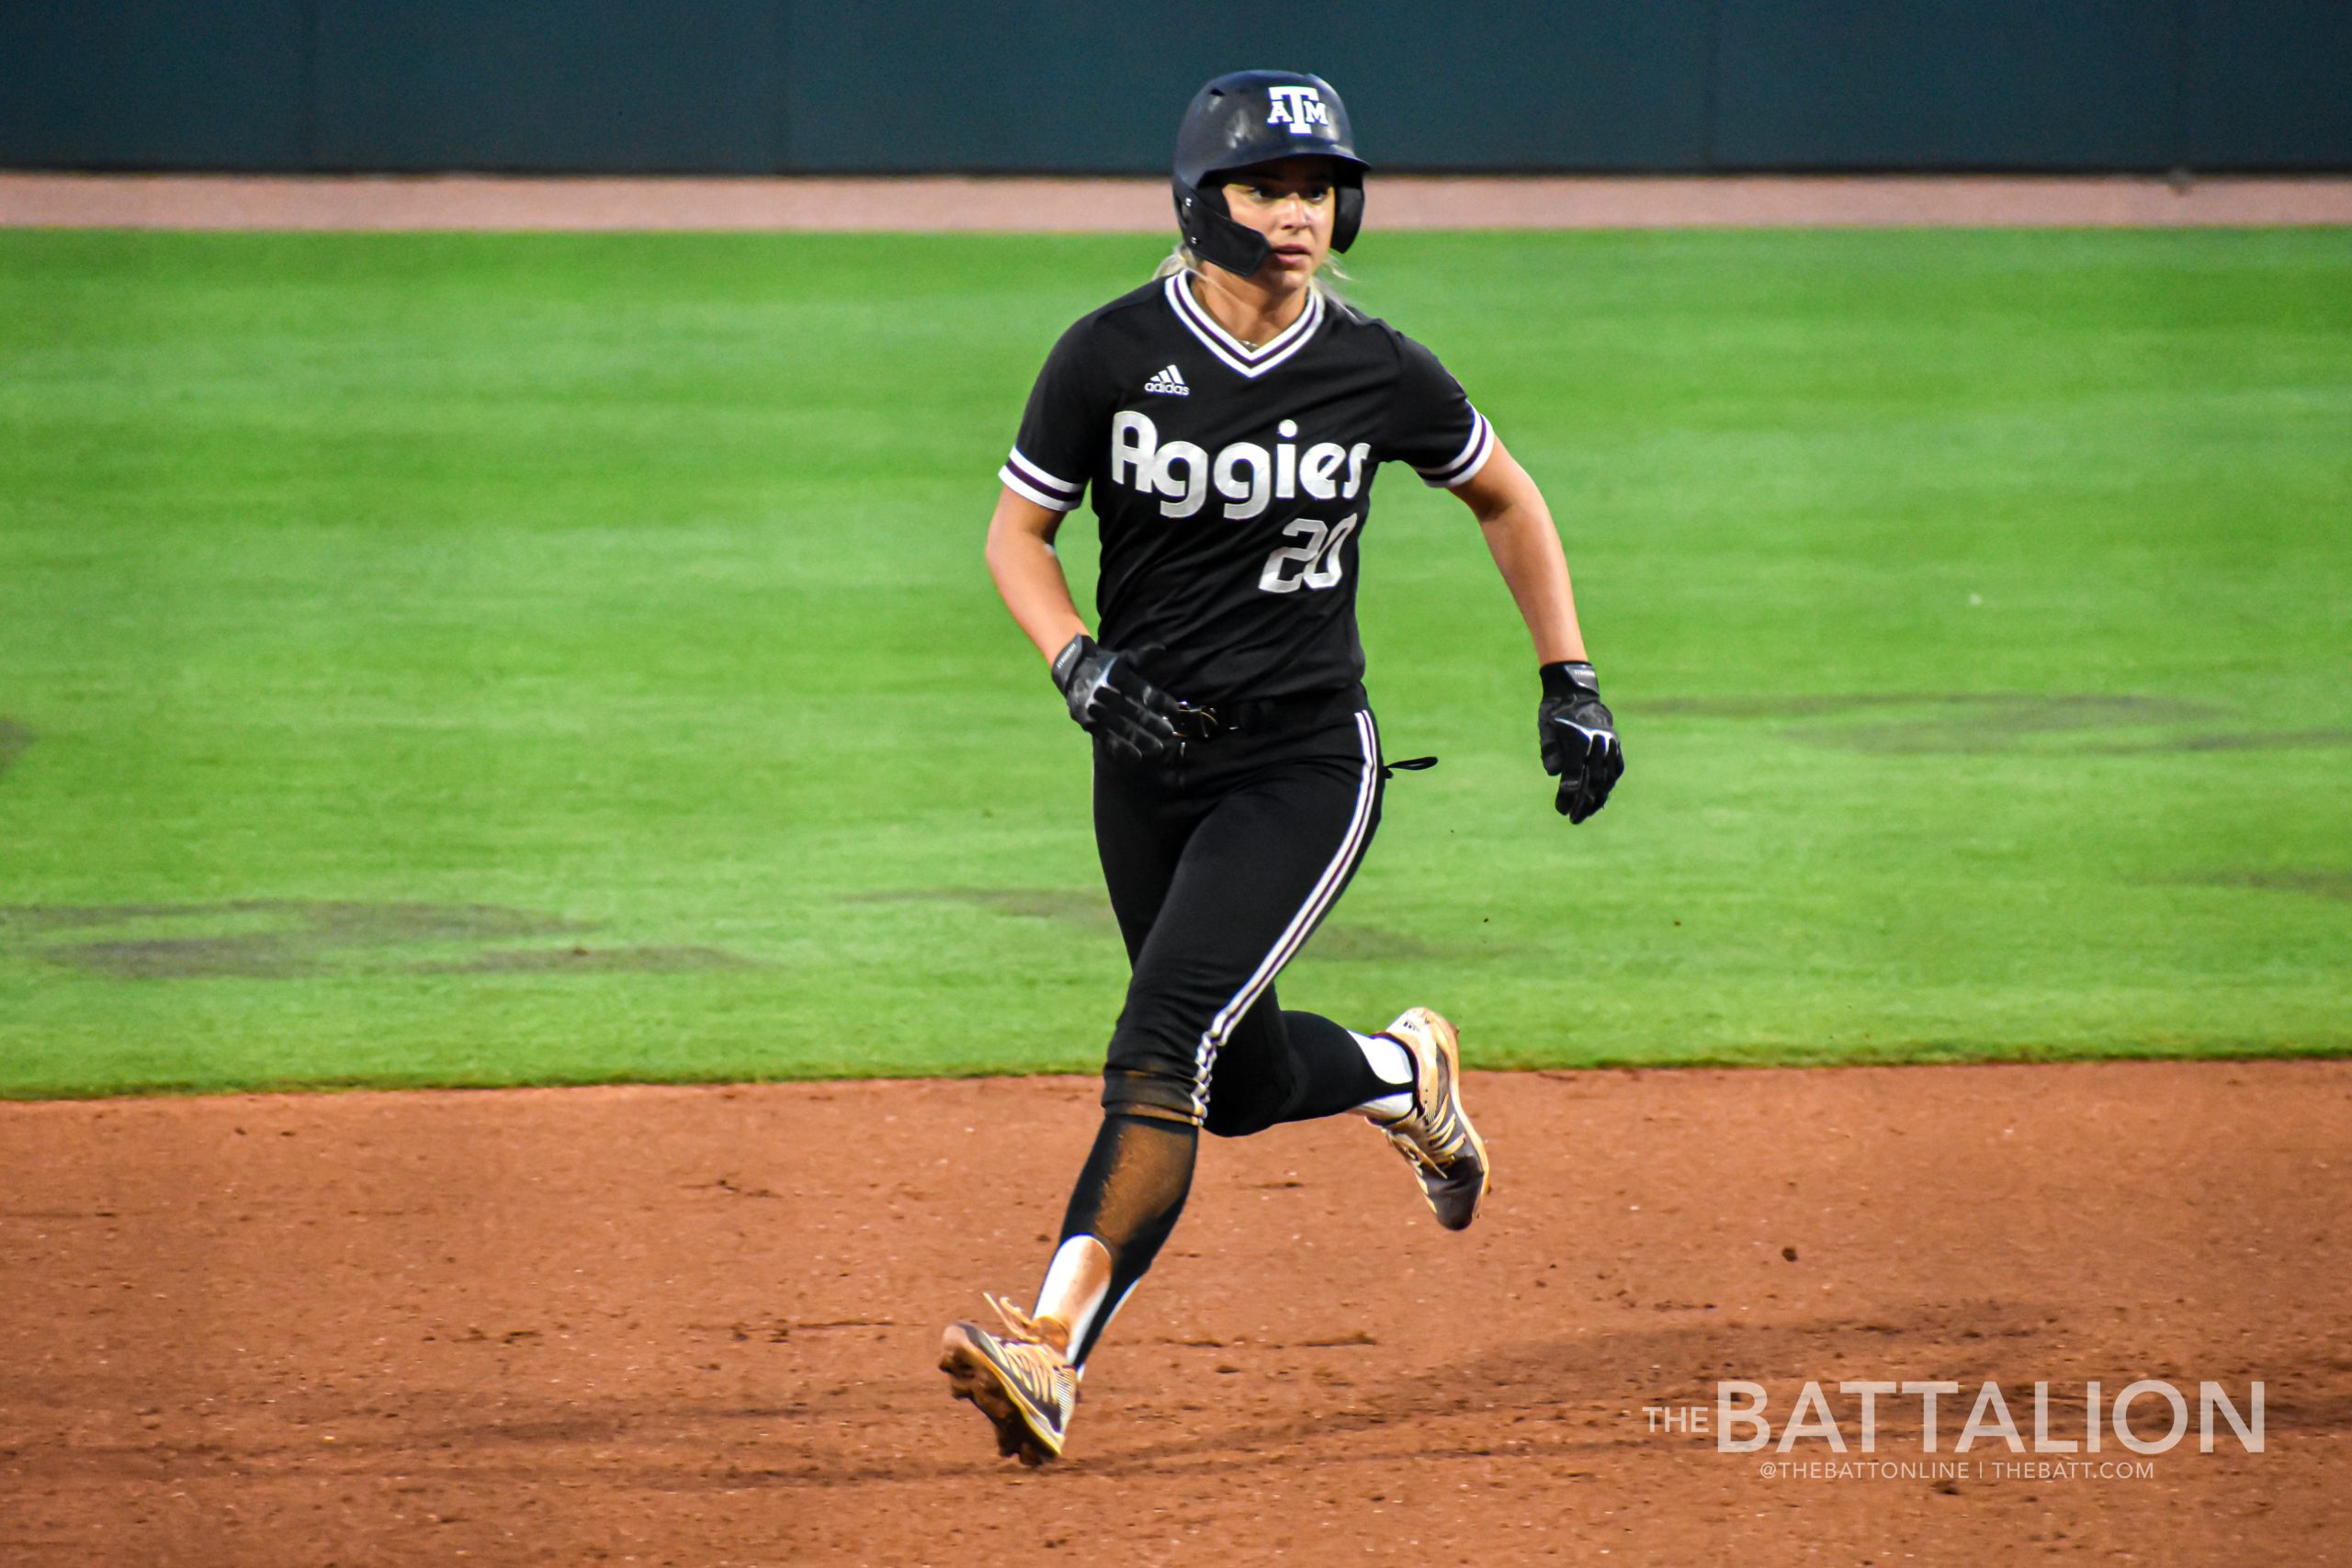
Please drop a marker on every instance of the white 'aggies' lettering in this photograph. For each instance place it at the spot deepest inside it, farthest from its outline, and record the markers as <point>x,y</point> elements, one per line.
<point>1245,474</point>
<point>1318,469</point>
<point>1184,493</point>
<point>1134,438</point>
<point>1243,500</point>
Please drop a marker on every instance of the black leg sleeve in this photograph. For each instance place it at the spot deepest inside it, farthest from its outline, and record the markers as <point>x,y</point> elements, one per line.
<point>1128,1197</point>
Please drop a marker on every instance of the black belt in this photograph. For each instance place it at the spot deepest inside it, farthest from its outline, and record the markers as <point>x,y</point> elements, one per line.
<point>1265,715</point>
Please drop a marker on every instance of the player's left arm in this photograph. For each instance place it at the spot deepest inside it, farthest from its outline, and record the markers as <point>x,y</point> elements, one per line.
<point>1577,734</point>
<point>1526,547</point>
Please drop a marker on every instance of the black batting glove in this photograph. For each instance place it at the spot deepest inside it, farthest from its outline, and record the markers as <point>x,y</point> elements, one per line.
<point>1579,737</point>
<point>1110,698</point>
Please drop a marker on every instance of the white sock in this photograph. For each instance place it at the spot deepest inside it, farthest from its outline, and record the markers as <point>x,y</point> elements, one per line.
<point>1076,1282</point>
<point>1391,1064</point>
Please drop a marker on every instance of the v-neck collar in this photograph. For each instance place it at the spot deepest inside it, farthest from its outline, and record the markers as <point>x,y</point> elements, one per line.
<point>1243,359</point>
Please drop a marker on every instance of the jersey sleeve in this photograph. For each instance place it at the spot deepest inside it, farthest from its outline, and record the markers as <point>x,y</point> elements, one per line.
<point>1061,430</point>
<point>1432,425</point>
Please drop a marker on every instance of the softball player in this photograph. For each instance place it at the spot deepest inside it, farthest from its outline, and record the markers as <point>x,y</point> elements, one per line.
<point>1229,419</point>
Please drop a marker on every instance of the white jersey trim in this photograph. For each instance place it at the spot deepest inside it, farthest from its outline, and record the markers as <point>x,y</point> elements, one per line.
<point>1466,462</point>
<point>1026,479</point>
<point>1302,924</point>
<point>1238,356</point>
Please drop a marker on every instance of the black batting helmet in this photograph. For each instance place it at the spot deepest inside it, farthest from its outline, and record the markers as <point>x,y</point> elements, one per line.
<point>1258,116</point>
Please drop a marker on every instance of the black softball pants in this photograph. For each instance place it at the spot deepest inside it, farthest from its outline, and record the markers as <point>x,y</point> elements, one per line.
<point>1220,867</point>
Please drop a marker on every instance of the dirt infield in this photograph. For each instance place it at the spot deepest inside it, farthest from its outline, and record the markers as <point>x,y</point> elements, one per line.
<point>697,1325</point>
<point>1404,201</point>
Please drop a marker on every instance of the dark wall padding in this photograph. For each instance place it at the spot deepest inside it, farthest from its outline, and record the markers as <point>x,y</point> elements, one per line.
<point>2272,86</point>
<point>1953,83</point>
<point>162,84</point>
<point>548,85</point>
<point>743,86</point>
<point>1065,84</point>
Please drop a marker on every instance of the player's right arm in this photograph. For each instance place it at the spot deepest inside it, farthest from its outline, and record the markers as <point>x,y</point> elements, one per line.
<point>1028,573</point>
<point>1104,691</point>
<point>1046,476</point>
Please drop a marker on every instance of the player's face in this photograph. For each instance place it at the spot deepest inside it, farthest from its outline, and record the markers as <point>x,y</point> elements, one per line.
<point>1292,204</point>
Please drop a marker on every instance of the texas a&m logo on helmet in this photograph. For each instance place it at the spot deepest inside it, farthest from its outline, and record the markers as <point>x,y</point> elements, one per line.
<point>1300,108</point>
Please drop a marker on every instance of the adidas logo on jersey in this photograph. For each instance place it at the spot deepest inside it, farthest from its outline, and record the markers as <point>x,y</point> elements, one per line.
<point>1170,381</point>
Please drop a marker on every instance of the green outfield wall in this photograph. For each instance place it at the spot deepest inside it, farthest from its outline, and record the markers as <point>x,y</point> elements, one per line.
<point>759,86</point>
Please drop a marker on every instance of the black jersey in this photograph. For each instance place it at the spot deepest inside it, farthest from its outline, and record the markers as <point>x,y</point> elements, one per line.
<point>1233,484</point>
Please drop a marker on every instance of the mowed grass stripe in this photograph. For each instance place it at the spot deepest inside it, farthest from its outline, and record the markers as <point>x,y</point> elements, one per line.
<point>473,659</point>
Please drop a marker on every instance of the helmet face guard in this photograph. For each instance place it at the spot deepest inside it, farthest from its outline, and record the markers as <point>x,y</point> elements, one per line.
<point>1260,117</point>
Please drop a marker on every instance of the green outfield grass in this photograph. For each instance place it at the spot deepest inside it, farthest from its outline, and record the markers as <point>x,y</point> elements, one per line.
<point>488,659</point>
